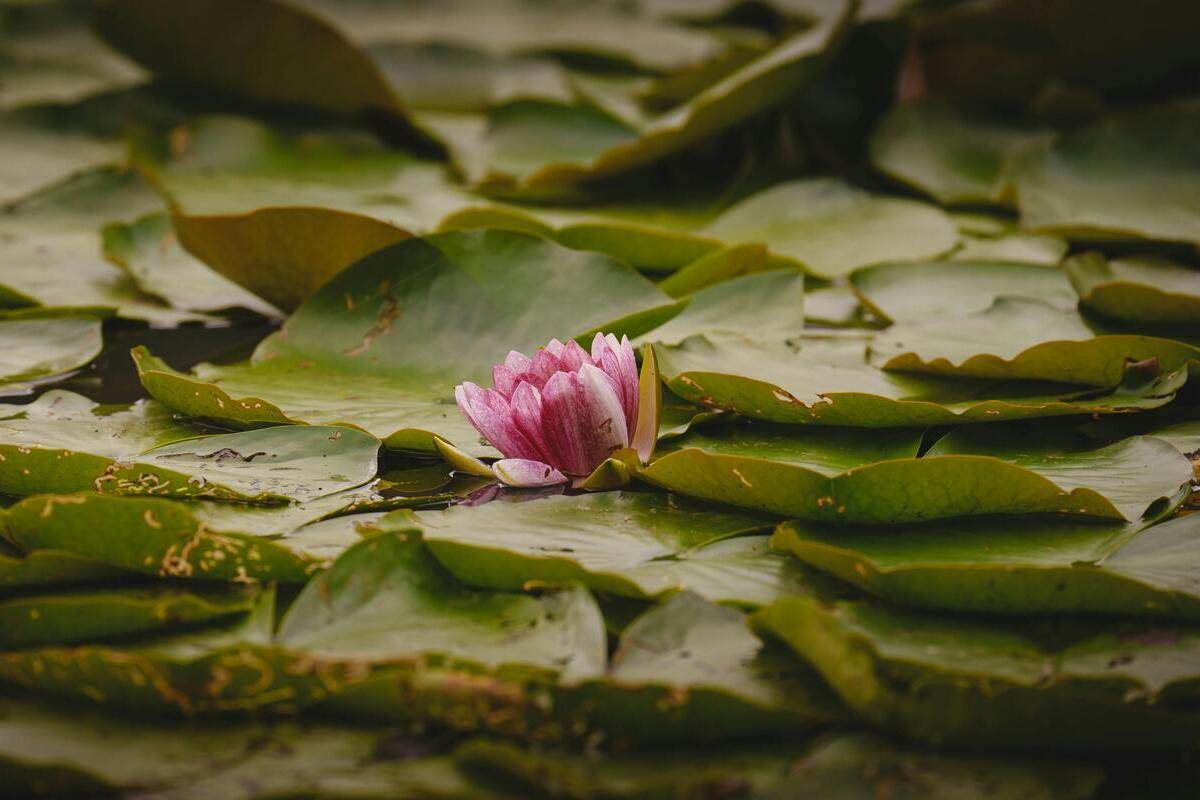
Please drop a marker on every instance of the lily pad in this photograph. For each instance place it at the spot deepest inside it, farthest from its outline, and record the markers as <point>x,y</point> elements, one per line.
<point>831,228</point>
<point>37,348</point>
<point>52,750</point>
<point>509,153</point>
<point>65,443</point>
<point>382,345</point>
<point>830,382</point>
<point>761,306</point>
<point>1022,248</point>
<point>1137,289</point>
<point>1129,175</point>
<point>173,539</point>
<point>51,150</point>
<point>91,615</point>
<point>859,475</point>
<point>57,232</point>
<point>51,56</point>
<point>280,211</point>
<point>950,155</point>
<point>634,544</point>
<point>213,668</point>
<point>834,766</point>
<point>1025,339</point>
<point>388,599</point>
<point>1014,566</point>
<point>939,289</point>
<point>1085,686</point>
<point>694,671</point>
<point>149,251</point>
<point>50,568</point>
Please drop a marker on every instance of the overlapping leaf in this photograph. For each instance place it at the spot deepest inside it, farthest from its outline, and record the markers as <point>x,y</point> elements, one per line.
<point>65,443</point>
<point>634,544</point>
<point>1146,290</point>
<point>850,476</point>
<point>382,345</point>
<point>941,679</point>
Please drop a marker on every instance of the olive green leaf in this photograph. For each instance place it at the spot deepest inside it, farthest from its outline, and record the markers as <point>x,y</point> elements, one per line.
<point>837,766</point>
<point>49,55</point>
<point>932,290</point>
<point>1021,248</point>
<point>149,251</point>
<point>53,750</point>
<point>634,544</point>
<point>49,568</point>
<point>950,155</point>
<point>57,232</point>
<point>1129,175</point>
<point>762,306</point>
<point>382,345</point>
<point>280,210</point>
<point>65,443</point>
<point>39,347</point>
<point>692,671</point>
<point>831,228</point>
<point>91,615</point>
<point>1025,339</point>
<point>213,668</point>
<point>546,150</point>
<point>828,381</point>
<point>387,598</point>
<point>1014,565</point>
<point>1137,289</point>
<point>203,540</point>
<point>51,147</point>
<point>858,475</point>
<point>984,684</point>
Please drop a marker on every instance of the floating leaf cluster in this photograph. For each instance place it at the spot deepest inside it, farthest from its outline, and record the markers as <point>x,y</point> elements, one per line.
<point>916,291</point>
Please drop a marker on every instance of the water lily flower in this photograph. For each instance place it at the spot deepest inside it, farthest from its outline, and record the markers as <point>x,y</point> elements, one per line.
<point>558,415</point>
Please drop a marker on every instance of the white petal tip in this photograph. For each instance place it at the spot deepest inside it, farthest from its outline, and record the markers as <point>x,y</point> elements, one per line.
<point>524,473</point>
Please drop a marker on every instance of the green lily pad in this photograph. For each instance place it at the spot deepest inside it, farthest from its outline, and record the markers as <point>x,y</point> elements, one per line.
<point>1137,289</point>
<point>545,150</point>
<point>52,750</point>
<point>830,382</point>
<point>51,149</point>
<point>1021,248</point>
<point>1014,566</point>
<point>57,232</point>
<point>38,348</point>
<point>942,679</point>
<point>50,56</point>
<point>1131,175</point>
<point>214,668</point>
<point>91,615</point>
<point>939,289</point>
<point>950,155</point>
<point>149,251</point>
<point>1025,339</point>
<point>370,348</point>
<point>760,306</point>
<point>280,211</point>
<point>831,228</point>
<point>634,544</point>
<point>388,599</point>
<point>694,671</point>
<point>66,443</point>
<point>860,475</point>
<point>206,541</point>
<point>50,568</point>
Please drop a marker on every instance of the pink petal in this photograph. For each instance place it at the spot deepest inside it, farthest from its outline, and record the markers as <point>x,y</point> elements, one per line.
<point>618,362</point>
<point>582,419</point>
<point>504,379</point>
<point>526,408</point>
<point>526,473</point>
<point>489,412</point>
<point>573,356</point>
